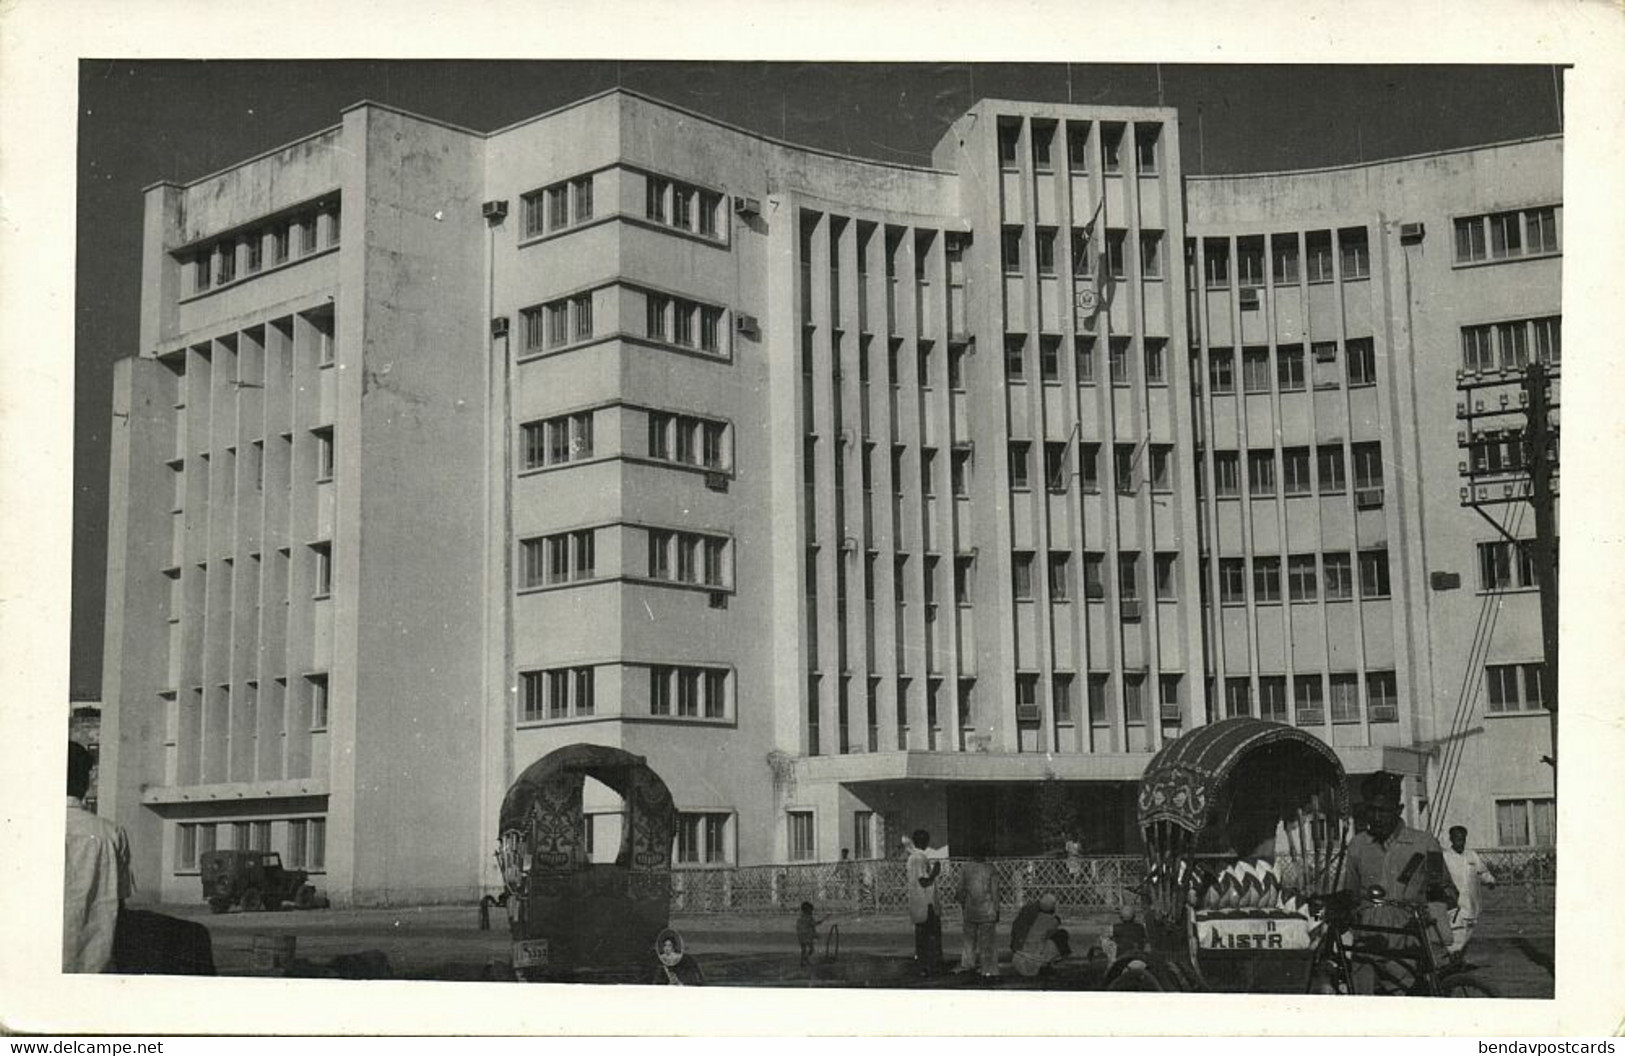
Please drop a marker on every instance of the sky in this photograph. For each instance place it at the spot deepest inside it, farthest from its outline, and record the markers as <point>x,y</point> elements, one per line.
<point>140,122</point>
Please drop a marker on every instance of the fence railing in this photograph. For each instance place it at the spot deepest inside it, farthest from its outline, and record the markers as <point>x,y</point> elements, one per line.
<point>1526,879</point>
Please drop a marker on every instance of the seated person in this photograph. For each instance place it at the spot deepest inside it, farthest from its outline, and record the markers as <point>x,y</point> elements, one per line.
<point>676,967</point>
<point>1128,933</point>
<point>1037,939</point>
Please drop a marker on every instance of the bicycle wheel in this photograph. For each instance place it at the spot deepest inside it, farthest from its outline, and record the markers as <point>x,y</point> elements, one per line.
<point>1466,985</point>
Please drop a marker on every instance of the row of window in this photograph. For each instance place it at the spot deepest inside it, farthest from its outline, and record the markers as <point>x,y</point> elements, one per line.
<point>688,692</point>
<point>1119,358</point>
<point>560,206</point>
<point>1329,465</point>
<point>304,841</point>
<point>1132,465</point>
<point>1352,245</point>
<point>686,439</point>
<point>1165,579</point>
<point>673,320</point>
<point>255,455</point>
<point>569,438</point>
<point>687,557</point>
<point>1335,581</point>
<point>567,557</point>
<point>555,441</point>
<point>1288,369</point>
<point>1042,135</point>
<point>1515,687</point>
<point>247,253</point>
<point>682,206</point>
<point>553,559</point>
<point>1505,566</point>
<point>1169,699</point>
<point>1506,236</point>
<point>1310,693</point>
<point>1115,258</point>
<point>1509,345</point>
<point>558,323</point>
<point>562,693</point>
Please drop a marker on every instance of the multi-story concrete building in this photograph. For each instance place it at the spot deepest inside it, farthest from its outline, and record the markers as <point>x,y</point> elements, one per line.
<point>857,497</point>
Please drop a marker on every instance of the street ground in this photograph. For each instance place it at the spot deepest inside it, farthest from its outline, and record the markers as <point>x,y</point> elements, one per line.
<point>1514,951</point>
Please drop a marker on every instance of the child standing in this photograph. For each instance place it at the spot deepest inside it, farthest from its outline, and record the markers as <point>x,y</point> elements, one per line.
<point>807,932</point>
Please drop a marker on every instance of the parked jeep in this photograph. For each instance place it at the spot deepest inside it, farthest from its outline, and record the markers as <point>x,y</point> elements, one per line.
<point>254,880</point>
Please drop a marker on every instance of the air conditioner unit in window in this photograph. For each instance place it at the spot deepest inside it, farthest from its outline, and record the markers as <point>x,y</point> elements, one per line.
<point>1129,610</point>
<point>849,545</point>
<point>499,326</point>
<point>1172,713</point>
<point>745,323</point>
<point>1311,717</point>
<point>1028,713</point>
<point>1368,498</point>
<point>1249,299</point>
<point>1384,713</point>
<point>1326,354</point>
<point>716,481</point>
<point>747,206</point>
<point>496,209</point>
<point>719,600</point>
<point>1410,234</point>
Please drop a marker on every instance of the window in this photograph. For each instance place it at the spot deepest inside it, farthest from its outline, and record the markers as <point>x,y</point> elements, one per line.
<point>1506,236</point>
<point>1163,569</point>
<point>558,207</point>
<point>307,843</point>
<point>702,839</point>
<point>1513,340</point>
<point>1018,464</point>
<point>654,207</point>
<point>1116,265</point>
<point>659,435</point>
<point>716,693</point>
<point>1046,250</point>
<point>1060,575</point>
<point>1010,249</point>
<point>1118,360</point>
<point>800,825</point>
<point>582,547</point>
<point>581,308</point>
<point>1261,474</point>
<point>1099,707</point>
<point>1382,696</point>
<point>1548,339</point>
<point>959,467</point>
<point>1145,148</point>
<point>688,552</point>
<point>1255,369</point>
<point>1238,697</point>
<point>1540,227</point>
<point>1080,252</point>
<point>307,235</point>
<point>1077,146</point>
<point>1362,356</point>
<point>1009,136</point>
<point>323,578</point>
<point>1318,247</point>
<point>1216,262</point>
<point>964,569</point>
<point>1221,370</point>
<point>1338,572</point>
<point>1094,576</point>
<point>1061,699</point>
<point>1232,581</point>
<point>710,329</point>
<point>1300,576</point>
<point>1309,700</point>
<point>581,191</point>
<point>1085,347</point>
<point>324,454</point>
<point>1226,474</point>
<point>1128,577</point>
<point>1112,141</point>
<point>1151,255</point>
<point>1331,467</point>
<point>710,444</point>
<point>1015,357</point>
<point>688,692</point>
<point>713,549</point>
<point>1162,456</point>
<point>256,253</point>
<point>226,269</point>
<point>1155,361</point>
<point>659,554</point>
<point>655,315</point>
<point>1049,358</point>
<point>1168,694</point>
<point>1345,698</point>
<point>660,679</point>
<point>1089,467</point>
<point>1272,698</point>
<point>1289,368</point>
<point>584,700</point>
<point>682,322</point>
<point>281,236</point>
<point>1498,571</point>
<point>532,696</point>
<point>1250,261</point>
<point>1295,471</point>
<point>1123,468</point>
<point>1284,259</point>
<point>1021,574</point>
<point>1526,822</point>
<point>1470,240</point>
<point>1055,474</point>
<point>1266,580</point>
<point>1367,465</point>
<point>928,476</point>
<point>1352,241</point>
<point>1133,699</point>
<point>1374,573</point>
<point>1477,348</point>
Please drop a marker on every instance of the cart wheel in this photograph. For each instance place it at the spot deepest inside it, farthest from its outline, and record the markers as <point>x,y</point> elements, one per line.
<point>305,898</point>
<point>253,901</point>
<point>219,905</point>
<point>1468,986</point>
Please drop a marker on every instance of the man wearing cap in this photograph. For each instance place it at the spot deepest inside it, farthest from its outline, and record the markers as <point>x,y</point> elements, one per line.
<point>1408,864</point>
<point>1468,871</point>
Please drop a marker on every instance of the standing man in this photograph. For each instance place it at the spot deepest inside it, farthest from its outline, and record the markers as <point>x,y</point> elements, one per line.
<point>1407,863</point>
<point>1467,871</point>
<point>979,899</point>
<point>923,907</point>
<point>96,877</point>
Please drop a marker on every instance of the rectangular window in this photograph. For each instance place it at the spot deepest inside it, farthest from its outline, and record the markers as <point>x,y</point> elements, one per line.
<point>1009,137</point>
<point>1061,699</point>
<point>1362,357</point>
<point>1498,571</point>
<point>1134,700</point>
<point>1116,267</point>
<point>1151,255</point>
<point>1295,471</point>
<point>1123,461</point>
<point>226,269</point>
<point>1056,478</point>
<point>1094,576</point>
<point>1367,465</point>
<point>1301,579</point>
<point>1272,698</point>
<point>318,701</point>
<point>688,554</point>
<point>1162,456</point>
<point>581,191</point>
<point>558,207</point>
<point>1266,580</point>
<point>323,555</point>
<point>1021,575</point>
<point>1540,225</point>
<point>1333,480</point>
<point>655,316</point>
<point>710,329</point>
<point>659,554</point>
<point>711,435</point>
<point>256,252</point>
<point>659,435</point>
<point>1019,456</point>
<point>1345,698</point>
<point>1470,240</point>
<point>1352,241</point>
<point>1167,584</point>
<point>1046,250</point>
<point>1216,262</point>
<point>682,323</point>
<point>1255,369</point>
<point>660,679</point>
<point>1085,348</point>
<point>713,551</point>
<point>581,307</point>
<point>800,825</point>
<point>1318,248</point>
<point>1081,266</point>
<point>585,700</point>
<point>687,431</point>
<point>1168,697</point>
<point>1221,371</point>
<point>1477,348</point>
<point>1099,706</point>
<point>654,207</point>
<point>1506,235</point>
<point>1309,700</point>
<point>1226,474</point>
<point>1339,576</point>
<point>1128,576</point>
<point>1382,696</point>
<point>581,436</point>
<point>324,454</point>
<point>281,237</point>
<point>1089,467</point>
<point>1049,358</point>
<point>1250,261</point>
<point>1548,339</point>
<point>1514,687</point>
<point>558,694</point>
<point>1374,573</point>
<point>1118,361</point>
<point>1060,575</point>
<point>1261,474</point>
<point>1112,142</point>
<point>1077,146</point>
<point>307,234</point>
<point>1238,698</point>
<point>1145,148</point>
<point>1010,250</point>
<point>1526,822</point>
<point>1513,341</point>
<point>1155,361</point>
<point>716,693</point>
<point>558,323</point>
<point>1284,259</point>
<point>688,692</point>
<point>1232,581</point>
<point>1289,368</point>
<point>1015,357</point>
<point>709,207</point>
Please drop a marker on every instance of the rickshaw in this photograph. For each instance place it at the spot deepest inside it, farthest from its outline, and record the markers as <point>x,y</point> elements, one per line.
<point>571,918</point>
<point>1246,825</point>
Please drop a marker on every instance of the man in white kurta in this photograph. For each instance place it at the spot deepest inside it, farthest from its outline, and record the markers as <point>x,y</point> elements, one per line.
<point>96,877</point>
<point>1467,872</point>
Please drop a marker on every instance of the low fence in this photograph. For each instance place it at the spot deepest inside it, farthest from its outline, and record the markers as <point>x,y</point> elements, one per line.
<point>1526,880</point>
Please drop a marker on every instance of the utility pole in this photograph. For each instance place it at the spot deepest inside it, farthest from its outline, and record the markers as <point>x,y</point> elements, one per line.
<point>1518,462</point>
